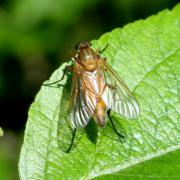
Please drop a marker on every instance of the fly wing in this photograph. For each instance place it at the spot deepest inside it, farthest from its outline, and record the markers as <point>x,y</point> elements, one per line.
<point>118,96</point>
<point>80,111</point>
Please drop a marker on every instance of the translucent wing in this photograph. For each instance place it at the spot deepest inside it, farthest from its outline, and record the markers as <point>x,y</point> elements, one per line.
<point>118,96</point>
<point>80,111</point>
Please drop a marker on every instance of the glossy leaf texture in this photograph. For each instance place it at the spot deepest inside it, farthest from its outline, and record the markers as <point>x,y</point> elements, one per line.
<point>146,55</point>
<point>163,167</point>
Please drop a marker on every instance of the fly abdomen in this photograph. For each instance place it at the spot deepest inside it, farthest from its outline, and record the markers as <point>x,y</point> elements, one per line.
<point>100,113</point>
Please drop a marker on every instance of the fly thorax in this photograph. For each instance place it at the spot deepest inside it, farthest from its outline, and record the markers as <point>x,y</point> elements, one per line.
<point>88,59</point>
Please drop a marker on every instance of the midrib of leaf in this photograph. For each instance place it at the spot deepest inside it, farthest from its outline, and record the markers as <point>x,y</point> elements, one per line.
<point>132,163</point>
<point>150,169</point>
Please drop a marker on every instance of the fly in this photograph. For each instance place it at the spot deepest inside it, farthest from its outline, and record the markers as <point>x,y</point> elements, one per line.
<point>96,90</point>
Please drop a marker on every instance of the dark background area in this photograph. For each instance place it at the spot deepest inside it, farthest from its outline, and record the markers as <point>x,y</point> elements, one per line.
<point>36,36</point>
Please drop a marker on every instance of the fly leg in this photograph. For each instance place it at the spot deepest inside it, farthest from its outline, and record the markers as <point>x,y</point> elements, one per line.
<point>66,69</point>
<point>113,126</point>
<point>72,141</point>
<point>100,51</point>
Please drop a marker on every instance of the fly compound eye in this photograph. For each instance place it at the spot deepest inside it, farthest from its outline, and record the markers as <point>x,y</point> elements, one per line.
<point>82,45</point>
<point>77,46</point>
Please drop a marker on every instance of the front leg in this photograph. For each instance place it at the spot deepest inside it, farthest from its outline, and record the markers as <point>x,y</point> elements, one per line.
<point>65,71</point>
<point>100,51</point>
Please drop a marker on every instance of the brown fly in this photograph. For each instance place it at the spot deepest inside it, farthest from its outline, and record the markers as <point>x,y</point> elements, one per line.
<point>97,89</point>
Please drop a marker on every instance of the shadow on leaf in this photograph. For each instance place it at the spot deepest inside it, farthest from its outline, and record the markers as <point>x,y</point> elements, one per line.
<point>92,131</point>
<point>65,131</point>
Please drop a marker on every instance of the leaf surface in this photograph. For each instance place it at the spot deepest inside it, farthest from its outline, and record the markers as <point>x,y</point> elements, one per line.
<point>163,167</point>
<point>146,55</point>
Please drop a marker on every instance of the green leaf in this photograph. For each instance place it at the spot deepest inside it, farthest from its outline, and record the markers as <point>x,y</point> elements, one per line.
<point>146,54</point>
<point>1,132</point>
<point>163,167</point>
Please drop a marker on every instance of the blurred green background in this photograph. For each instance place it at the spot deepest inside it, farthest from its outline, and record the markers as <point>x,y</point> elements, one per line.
<point>36,36</point>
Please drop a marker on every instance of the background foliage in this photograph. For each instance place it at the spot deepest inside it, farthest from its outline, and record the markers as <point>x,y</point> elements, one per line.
<point>1,132</point>
<point>35,38</point>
